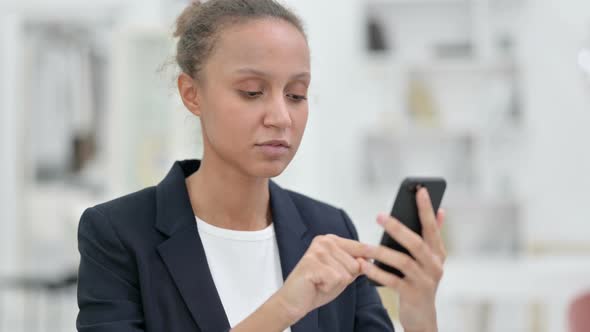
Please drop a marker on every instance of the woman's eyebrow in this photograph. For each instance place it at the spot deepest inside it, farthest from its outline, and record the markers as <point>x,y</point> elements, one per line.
<point>251,71</point>
<point>302,76</point>
<point>256,72</point>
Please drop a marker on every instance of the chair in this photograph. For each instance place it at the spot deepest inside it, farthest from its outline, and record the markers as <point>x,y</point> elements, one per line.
<point>579,314</point>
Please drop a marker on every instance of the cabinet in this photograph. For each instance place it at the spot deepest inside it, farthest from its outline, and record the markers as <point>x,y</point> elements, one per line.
<point>449,91</point>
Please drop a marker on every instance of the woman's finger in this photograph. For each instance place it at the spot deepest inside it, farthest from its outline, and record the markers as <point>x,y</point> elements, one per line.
<point>346,260</point>
<point>440,218</point>
<point>407,265</point>
<point>430,229</point>
<point>387,279</point>
<point>413,243</point>
<point>441,251</point>
<point>325,254</point>
<point>352,247</point>
<point>326,278</point>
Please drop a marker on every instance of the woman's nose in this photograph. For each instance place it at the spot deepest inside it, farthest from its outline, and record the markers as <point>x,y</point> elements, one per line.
<point>277,113</point>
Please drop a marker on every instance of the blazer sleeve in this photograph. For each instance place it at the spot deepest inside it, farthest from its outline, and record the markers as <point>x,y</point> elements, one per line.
<point>370,316</point>
<point>108,290</point>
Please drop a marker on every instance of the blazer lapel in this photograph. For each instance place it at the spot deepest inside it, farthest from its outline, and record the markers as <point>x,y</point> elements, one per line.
<point>184,255</point>
<point>293,239</point>
<point>183,252</point>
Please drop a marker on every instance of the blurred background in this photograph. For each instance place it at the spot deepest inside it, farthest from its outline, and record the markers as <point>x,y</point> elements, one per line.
<point>494,95</point>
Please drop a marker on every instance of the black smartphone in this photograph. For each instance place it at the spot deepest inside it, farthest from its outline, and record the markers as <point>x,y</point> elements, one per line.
<point>405,210</point>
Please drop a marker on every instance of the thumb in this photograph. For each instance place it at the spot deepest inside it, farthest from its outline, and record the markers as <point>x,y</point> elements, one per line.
<point>440,217</point>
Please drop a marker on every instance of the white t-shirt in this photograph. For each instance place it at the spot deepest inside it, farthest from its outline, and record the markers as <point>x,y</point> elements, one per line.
<point>245,266</point>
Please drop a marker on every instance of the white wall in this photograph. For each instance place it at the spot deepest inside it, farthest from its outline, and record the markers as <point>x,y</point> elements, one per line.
<point>558,111</point>
<point>327,166</point>
<point>9,174</point>
<point>343,103</point>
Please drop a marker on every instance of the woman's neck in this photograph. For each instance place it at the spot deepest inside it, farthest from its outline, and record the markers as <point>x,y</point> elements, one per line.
<point>222,196</point>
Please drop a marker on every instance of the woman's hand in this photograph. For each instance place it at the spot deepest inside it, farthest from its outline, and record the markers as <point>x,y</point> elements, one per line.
<point>418,289</point>
<point>329,265</point>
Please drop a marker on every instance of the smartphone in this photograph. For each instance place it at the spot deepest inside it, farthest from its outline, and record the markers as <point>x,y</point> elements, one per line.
<point>405,210</point>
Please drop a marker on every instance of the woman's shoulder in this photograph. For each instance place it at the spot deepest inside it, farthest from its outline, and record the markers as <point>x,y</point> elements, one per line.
<point>112,237</point>
<point>138,203</point>
<point>126,214</point>
<point>323,217</point>
<point>311,204</point>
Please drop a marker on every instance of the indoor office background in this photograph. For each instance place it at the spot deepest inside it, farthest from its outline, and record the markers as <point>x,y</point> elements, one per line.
<point>494,95</point>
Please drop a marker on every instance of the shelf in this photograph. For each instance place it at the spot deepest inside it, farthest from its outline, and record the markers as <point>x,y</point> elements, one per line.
<point>462,67</point>
<point>418,135</point>
<point>418,2</point>
<point>77,11</point>
<point>422,133</point>
<point>385,63</point>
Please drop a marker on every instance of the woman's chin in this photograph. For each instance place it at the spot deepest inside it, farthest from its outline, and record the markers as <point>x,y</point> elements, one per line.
<point>270,168</point>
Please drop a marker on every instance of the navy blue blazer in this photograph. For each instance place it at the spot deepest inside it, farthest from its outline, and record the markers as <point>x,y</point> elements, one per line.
<point>143,266</point>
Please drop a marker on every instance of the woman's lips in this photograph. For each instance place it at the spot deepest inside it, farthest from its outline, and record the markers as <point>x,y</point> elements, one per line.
<point>273,150</point>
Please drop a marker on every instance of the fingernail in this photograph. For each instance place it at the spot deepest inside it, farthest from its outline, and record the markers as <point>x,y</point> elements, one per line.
<point>425,195</point>
<point>381,219</point>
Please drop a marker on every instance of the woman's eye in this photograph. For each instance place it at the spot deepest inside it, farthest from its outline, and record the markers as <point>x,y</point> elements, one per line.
<point>296,97</point>
<point>252,94</point>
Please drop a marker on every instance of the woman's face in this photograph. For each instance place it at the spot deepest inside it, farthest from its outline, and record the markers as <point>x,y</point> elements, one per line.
<point>252,96</point>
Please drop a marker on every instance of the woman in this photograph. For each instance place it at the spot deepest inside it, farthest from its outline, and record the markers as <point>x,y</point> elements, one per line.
<point>216,245</point>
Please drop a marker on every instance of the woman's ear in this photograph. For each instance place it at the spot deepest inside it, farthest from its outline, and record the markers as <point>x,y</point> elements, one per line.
<point>187,87</point>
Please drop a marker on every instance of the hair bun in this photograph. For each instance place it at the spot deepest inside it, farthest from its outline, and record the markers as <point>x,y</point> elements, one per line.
<point>183,22</point>
<point>200,21</point>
